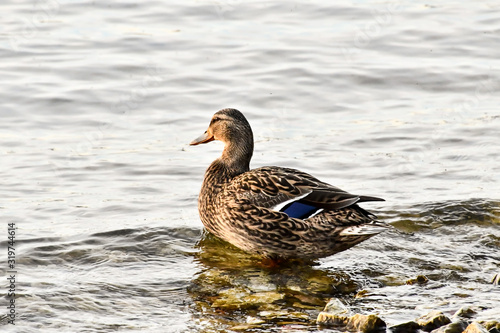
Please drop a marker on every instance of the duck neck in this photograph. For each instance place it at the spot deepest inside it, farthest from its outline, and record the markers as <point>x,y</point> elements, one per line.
<point>237,155</point>
<point>234,161</point>
<point>235,158</point>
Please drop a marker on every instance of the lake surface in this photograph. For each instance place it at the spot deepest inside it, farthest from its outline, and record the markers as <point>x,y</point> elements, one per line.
<point>99,100</point>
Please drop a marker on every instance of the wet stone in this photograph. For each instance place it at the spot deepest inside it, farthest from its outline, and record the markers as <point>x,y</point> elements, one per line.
<point>301,306</point>
<point>475,327</point>
<point>362,293</point>
<point>336,314</point>
<point>456,327</point>
<point>366,323</point>
<point>329,319</point>
<point>409,327</point>
<point>465,312</point>
<point>492,326</point>
<point>269,315</point>
<point>267,297</point>
<point>421,279</point>
<point>239,298</point>
<point>308,301</point>
<point>433,320</point>
<point>336,307</point>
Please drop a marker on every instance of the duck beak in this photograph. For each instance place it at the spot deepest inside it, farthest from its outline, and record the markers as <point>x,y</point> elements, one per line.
<point>204,138</point>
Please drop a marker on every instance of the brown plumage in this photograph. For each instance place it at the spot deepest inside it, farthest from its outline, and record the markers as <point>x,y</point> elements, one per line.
<point>272,211</point>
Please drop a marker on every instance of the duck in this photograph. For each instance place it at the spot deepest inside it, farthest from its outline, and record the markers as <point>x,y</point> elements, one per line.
<point>275,212</point>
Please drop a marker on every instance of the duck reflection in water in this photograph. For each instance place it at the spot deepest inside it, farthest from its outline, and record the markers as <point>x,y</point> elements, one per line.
<point>232,283</point>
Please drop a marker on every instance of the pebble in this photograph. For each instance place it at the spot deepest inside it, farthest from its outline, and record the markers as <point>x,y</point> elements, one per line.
<point>409,327</point>
<point>338,315</point>
<point>475,327</point>
<point>455,327</point>
<point>465,312</point>
<point>433,320</point>
<point>357,323</point>
<point>239,298</point>
<point>492,326</point>
<point>335,306</point>
<point>366,323</point>
<point>421,279</point>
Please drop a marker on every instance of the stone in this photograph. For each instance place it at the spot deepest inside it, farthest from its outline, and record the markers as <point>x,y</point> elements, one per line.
<point>270,315</point>
<point>421,279</point>
<point>358,322</point>
<point>329,319</point>
<point>366,323</point>
<point>455,327</point>
<point>338,315</point>
<point>465,312</point>
<point>362,293</point>
<point>240,298</point>
<point>475,327</point>
<point>266,297</point>
<point>433,320</point>
<point>334,314</point>
<point>335,306</point>
<point>409,327</point>
<point>492,326</point>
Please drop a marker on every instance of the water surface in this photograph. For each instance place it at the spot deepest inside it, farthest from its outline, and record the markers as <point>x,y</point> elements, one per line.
<point>99,101</point>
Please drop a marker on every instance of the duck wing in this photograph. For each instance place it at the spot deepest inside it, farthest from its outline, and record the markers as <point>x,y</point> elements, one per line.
<point>290,191</point>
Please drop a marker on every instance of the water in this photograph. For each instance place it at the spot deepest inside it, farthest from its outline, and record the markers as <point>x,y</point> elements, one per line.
<point>100,99</point>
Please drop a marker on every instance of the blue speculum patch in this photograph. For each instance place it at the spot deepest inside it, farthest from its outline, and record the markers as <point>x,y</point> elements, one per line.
<point>299,210</point>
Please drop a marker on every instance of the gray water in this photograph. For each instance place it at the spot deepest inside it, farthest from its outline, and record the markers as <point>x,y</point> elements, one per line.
<point>99,101</point>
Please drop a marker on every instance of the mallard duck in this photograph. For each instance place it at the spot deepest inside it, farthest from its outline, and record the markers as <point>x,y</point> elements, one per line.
<point>272,211</point>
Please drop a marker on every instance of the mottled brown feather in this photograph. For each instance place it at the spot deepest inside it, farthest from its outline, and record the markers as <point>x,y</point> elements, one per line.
<point>239,205</point>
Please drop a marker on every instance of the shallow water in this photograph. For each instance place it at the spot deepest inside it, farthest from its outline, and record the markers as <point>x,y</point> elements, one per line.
<point>100,99</point>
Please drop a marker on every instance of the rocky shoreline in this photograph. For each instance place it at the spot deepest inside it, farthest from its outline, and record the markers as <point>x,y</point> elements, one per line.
<point>237,292</point>
<point>337,315</point>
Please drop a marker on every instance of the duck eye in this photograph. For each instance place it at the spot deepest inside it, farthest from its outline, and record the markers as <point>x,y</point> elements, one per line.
<point>214,120</point>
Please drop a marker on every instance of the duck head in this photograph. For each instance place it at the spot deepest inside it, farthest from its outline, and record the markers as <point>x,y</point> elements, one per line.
<point>229,126</point>
<point>232,128</point>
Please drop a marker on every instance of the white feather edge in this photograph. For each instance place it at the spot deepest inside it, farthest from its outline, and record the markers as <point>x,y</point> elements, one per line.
<point>316,213</point>
<point>280,206</point>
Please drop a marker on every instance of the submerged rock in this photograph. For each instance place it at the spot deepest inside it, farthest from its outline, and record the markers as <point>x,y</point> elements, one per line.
<point>239,299</point>
<point>475,327</point>
<point>336,307</point>
<point>421,279</point>
<point>284,314</point>
<point>433,320</point>
<point>336,314</point>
